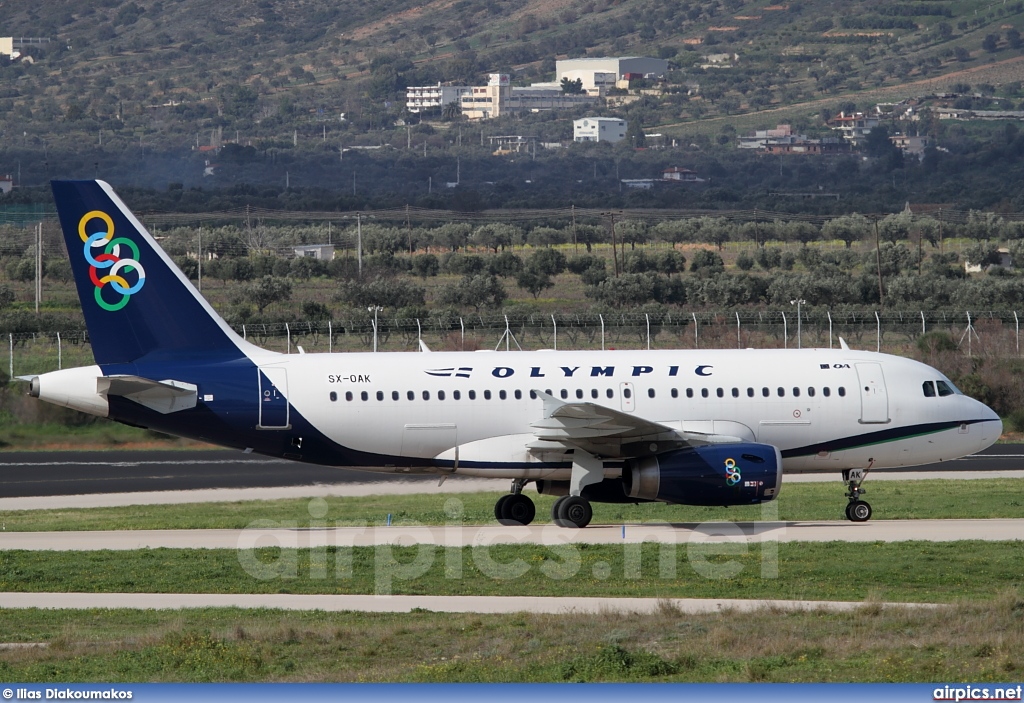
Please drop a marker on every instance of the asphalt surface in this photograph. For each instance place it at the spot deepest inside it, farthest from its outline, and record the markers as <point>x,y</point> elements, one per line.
<point>285,537</point>
<point>81,473</point>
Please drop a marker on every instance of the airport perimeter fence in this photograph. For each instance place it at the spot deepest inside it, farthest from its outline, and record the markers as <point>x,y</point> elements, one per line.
<point>992,334</point>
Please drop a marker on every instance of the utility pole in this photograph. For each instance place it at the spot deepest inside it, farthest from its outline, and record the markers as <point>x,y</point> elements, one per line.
<point>200,274</point>
<point>408,137</point>
<point>359,243</point>
<point>878,261</point>
<point>39,264</point>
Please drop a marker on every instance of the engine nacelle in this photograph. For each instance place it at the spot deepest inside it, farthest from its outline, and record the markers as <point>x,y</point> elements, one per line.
<point>716,474</point>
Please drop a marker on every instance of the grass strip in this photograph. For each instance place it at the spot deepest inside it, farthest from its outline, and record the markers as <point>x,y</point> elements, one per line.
<point>911,571</point>
<point>891,500</point>
<point>983,643</point>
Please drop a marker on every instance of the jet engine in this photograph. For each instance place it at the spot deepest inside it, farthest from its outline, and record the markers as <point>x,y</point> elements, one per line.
<point>716,474</point>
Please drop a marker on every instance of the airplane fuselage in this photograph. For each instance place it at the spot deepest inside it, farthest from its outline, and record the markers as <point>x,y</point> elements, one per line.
<point>471,412</point>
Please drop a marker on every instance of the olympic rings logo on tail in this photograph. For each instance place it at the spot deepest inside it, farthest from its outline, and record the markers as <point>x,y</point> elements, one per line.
<point>104,251</point>
<point>732,472</point>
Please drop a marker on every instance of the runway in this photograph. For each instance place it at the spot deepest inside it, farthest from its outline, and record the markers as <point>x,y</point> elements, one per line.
<point>405,604</point>
<point>52,480</point>
<point>263,535</point>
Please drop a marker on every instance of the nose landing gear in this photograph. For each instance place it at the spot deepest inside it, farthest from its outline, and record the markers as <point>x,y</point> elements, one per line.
<point>857,510</point>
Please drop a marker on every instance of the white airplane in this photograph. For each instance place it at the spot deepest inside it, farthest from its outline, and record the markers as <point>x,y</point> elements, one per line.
<point>706,427</point>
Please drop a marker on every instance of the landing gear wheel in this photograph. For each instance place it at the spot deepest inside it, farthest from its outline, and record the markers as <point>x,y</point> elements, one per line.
<point>574,511</point>
<point>859,511</point>
<point>516,509</point>
<point>499,507</point>
<point>555,507</point>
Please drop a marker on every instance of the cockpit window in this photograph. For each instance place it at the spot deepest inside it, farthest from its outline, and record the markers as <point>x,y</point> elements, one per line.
<point>944,389</point>
<point>929,389</point>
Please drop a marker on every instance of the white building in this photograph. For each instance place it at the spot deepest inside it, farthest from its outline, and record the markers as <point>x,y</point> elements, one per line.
<point>854,127</point>
<point>433,97</point>
<point>323,252</point>
<point>599,129</point>
<point>499,98</point>
<point>600,74</point>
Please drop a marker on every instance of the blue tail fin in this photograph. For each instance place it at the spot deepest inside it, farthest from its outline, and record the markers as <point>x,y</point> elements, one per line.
<point>136,302</point>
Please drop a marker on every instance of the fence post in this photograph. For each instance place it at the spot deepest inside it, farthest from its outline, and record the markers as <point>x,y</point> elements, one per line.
<point>739,342</point>
<point>1016,326</point>
<point>419,335</point>
<point>10,338</point>
<point>288,334</point>
<point>829,313</point>
<point>601,316</point>
<point>59,354</point>
<point>878,332</point>
<point>696,340</point>
<point>648,318</point>
<point>554,326</point>
<point>243,332</point>
<point>330,335</point>
<point>922,322</point>
<point>785,332</point>
<point>462,328</point>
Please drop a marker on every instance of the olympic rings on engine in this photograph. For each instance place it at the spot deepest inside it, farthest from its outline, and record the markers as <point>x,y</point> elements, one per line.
<point>732,472</point>
<point>111,259</point>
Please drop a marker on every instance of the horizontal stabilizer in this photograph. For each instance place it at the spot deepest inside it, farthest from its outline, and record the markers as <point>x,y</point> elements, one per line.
<point>162,396</point>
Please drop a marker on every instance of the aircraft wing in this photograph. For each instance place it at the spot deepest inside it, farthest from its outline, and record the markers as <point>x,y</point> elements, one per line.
<point>609,433</point>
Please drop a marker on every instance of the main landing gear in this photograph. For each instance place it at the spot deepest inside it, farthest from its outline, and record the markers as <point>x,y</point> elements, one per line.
<point>572,511</point>
<point>515,508</point>
<point>857,510</point>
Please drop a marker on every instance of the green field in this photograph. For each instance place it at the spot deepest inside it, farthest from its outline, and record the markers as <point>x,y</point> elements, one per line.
<point>891,500</point>
<point>965,642</point>
<point>908,571</point>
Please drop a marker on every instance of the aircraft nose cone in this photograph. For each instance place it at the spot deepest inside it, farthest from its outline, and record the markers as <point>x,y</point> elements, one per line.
<point>990,428</point>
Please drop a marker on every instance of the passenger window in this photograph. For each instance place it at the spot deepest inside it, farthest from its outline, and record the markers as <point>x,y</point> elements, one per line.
<point>472,395</point>
<point>440,395</point>
<point>626,393</point>
<point>426,395</point>
<point>533,395</point>
<point>944,389</point>
<point>826,391</point>
<point>704,393</point>
<point>810,391</point>
<point>782,392</point>
<point>842,391</point>
<point>765,392</point>
<point>410,395</point>
<point>610,393</point>
<point>334,396</point>
<point>929,389</point>
<point>487,395</point>
<point>564,394</point>
<point>548,391</point>
<point>689,392</point>
<point>394,395</point>
<point>594,393</point>
<point>675,392</point>
<point>348,395</point>
<point>579,394</point>
<point>750,392</point>
<point>519,395</point>
<point>735,392</point>
<point>502,395</point>
<point>796,392</point>
<point>380,395</point>
<point>364,395</point>
<point>456,395</point>
<point>650,392</point>
<point>720,393</point>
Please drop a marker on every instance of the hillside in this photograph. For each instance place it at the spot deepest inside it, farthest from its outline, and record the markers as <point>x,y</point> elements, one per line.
<point>132,90</point>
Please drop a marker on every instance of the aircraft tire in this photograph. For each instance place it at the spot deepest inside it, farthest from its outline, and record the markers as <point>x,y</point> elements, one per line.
<point>499,507</point>
<point>859,511</point>
<point>516,510</point>
<point>574,511</point>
